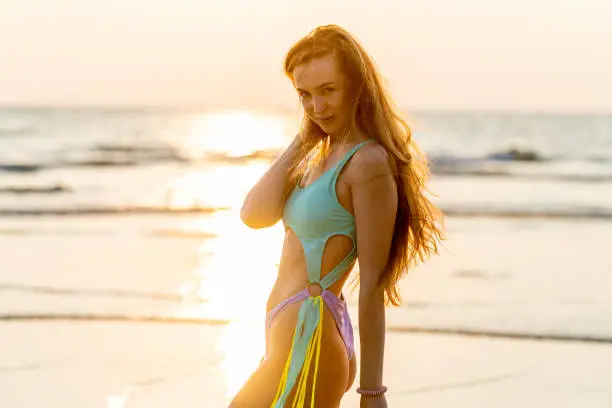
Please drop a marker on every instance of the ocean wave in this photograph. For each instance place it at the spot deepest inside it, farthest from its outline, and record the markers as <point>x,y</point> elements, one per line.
<point>501,334</point>
<point>16,131</point>
<point>21,168</point>
<point>173,319</point>
<point>134,149</point>
<point>265,155</point>
<point>58,188</point>
<point>498,164</point>
<point>102,155</point>
<point>450,210</point>
<point>113,293</point>
<point>66,163</point>
<point>514,154</point>
<point>139,153</point>
<point>98,162</point>
<point>107,210</point>
<point>132,156</point>
<point>568,213</point>
<point>52,231</point>
<point>120,155</point>
<point>508,163</point>
<point>108,317</point>
<point>598,159</point>
<point>508,155</point>
<point>450,171</point>
<point>182,234</point>
<point>524,164</point>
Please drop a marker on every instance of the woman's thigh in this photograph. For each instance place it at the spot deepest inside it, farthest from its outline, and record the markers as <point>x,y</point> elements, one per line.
<point>260,388</point>
<point>334,371</point>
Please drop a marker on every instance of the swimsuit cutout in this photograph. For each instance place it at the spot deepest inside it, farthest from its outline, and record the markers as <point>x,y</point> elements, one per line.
<point>315,215</point>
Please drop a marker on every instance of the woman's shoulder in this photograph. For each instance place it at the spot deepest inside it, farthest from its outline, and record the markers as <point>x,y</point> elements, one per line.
<point>372,159</point>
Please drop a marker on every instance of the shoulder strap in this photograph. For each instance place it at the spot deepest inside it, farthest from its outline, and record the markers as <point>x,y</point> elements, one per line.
<point>346,158</point>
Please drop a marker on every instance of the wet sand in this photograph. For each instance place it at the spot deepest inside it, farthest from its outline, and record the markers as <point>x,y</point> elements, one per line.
<point>101,364</point>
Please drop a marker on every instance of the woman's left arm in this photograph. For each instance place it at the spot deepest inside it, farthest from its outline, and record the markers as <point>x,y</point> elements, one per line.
<point>374,194</point>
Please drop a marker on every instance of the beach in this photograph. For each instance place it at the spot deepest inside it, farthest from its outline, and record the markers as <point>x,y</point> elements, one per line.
<point>106,364</point>
<point>128,279</point>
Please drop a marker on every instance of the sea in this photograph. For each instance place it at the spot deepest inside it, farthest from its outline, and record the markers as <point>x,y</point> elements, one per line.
<point>132,215</point>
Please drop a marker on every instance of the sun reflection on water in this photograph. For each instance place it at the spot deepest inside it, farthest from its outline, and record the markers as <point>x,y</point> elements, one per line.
<point>242,346</point>
<point>234,133</point>
<point>236,273</point>
<point>222,186</point>
<point>237,265</point>
<point>118,400</point>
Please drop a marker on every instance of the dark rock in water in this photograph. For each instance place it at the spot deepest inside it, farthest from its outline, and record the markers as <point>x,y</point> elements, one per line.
<point>139,153</point>
<point>517,155</point>
<point>130,148</point>
<point>36,190</point>
<point>104,163</point>
<point>20,168</point>
<point>114,149</point>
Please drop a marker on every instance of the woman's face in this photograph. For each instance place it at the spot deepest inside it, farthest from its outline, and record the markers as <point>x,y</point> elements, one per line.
<point>323,91</point>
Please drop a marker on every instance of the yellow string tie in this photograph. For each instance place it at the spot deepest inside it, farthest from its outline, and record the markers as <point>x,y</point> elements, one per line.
<point>300,395</point>
<point>301,387</point>
<point>320,336</point>
<point>313,350</point>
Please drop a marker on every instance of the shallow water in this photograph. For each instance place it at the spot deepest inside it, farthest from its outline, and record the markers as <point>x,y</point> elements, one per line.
<point>111,218</point>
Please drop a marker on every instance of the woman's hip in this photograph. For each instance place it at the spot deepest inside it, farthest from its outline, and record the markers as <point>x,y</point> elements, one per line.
<point>335,371</point>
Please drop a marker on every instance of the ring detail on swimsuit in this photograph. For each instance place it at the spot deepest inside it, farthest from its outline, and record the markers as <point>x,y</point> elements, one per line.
<point>314,289</point>
<point>315,214</point>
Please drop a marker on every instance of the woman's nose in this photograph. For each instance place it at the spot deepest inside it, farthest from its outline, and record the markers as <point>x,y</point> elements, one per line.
<point>319,105</point>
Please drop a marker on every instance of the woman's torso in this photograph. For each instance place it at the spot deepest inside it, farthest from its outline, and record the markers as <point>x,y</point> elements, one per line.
<point>319,244</point>
<point>292,272</point>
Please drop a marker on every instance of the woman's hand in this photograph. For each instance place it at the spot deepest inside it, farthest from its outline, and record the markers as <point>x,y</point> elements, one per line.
<point>373,402</point>
<point>263,205</point>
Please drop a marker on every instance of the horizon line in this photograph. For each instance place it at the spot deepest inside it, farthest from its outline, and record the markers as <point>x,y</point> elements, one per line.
<point>283,109</point>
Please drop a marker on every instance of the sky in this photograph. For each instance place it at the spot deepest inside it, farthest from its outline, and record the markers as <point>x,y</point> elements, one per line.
<point>508,55</point>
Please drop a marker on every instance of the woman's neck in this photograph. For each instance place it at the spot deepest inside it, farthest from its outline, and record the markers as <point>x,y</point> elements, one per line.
<point>350,137</point>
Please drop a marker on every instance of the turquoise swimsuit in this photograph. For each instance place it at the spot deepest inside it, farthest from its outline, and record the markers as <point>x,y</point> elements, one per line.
<point>315,215</point>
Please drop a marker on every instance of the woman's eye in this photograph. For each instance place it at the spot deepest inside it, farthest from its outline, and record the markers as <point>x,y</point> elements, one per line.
<point>328,90</point>
<point>303,94</point>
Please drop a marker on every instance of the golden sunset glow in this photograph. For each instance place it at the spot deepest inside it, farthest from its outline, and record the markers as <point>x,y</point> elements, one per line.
<point>242,346</point>
<point>236,265</point>
<point>222,186</point>
<point>119,400</point>
<point>222,145</point>
<point>131,133</point>
<point>237,268</point>
<point>235,133</point>
<point>228,53</point>
<point>236,274</point>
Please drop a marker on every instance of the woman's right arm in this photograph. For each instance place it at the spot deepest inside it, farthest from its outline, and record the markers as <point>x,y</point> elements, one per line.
<point>263,205</point>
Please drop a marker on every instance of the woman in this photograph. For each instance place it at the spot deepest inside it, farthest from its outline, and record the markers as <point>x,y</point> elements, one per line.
<point>350,185</point>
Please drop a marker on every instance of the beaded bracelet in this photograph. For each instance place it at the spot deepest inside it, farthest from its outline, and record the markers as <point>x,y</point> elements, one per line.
<point>372,393</point>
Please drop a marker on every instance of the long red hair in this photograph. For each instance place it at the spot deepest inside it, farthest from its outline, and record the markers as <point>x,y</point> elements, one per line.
<point>418,224</point>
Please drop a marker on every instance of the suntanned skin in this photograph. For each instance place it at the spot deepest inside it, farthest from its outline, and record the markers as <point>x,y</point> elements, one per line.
<point>366,188</point>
